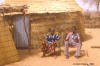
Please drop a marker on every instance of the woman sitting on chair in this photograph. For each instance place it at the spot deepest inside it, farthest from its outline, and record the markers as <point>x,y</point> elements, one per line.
<point>50,39</point>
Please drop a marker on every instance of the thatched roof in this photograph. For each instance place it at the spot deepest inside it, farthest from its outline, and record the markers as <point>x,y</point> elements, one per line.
<point>37,6</point>
<point>54,6</point>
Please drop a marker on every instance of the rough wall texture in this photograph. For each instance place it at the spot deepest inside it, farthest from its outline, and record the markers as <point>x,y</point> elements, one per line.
<point>8,52</point>
<point>92,22</point>
<point>62,23</point>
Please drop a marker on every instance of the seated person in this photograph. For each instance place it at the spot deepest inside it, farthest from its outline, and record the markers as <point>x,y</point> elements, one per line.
<point>73,39</point>
<point>50,39</point>
<point>52,36</point>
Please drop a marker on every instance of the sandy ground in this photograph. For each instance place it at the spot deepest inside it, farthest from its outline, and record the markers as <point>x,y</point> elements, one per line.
<point>92,59</point>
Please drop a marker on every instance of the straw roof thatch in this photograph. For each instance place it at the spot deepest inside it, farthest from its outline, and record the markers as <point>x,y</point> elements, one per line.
<point>53,6</point>
<point>37,6</point>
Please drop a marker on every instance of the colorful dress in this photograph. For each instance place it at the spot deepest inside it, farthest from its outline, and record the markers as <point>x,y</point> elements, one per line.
<point>50,38</point>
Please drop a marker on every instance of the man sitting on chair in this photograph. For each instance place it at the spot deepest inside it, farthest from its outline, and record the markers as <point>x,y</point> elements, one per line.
<point>73,39</point>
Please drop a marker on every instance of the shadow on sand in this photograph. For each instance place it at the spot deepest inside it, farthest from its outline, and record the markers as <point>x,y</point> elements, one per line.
<point>24,53</point>
<point>72,53</point>
<point>87,37</point>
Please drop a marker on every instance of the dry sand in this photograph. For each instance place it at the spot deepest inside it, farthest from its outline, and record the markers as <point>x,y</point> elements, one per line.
<point>93,55</point>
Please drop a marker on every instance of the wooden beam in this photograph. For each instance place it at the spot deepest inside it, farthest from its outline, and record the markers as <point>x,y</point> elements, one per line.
<point>10,9</point>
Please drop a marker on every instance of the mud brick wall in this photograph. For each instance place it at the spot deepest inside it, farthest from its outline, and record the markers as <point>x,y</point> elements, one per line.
<point>8,52</point>
<point>62,22</point>
<point>92,22</point>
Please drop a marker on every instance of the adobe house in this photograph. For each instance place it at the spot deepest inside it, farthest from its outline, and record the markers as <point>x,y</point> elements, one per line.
<point>29,20</point>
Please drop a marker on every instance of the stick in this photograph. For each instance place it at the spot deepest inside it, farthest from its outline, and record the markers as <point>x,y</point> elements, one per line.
<point>28,36</point>
<point>95,46</point>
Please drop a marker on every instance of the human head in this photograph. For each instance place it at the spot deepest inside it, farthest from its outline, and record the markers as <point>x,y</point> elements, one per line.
<point>74,29</point>
<point>51,30</point>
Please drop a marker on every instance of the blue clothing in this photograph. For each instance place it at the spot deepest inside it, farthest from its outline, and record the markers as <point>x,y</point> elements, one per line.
<point>51,38</point>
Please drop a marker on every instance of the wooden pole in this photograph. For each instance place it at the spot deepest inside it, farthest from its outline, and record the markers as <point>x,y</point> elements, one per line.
<point>28,34</point>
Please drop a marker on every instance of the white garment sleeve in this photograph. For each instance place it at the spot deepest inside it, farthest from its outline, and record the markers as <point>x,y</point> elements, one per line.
<point>68,36</point>
<point>78,36</point>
